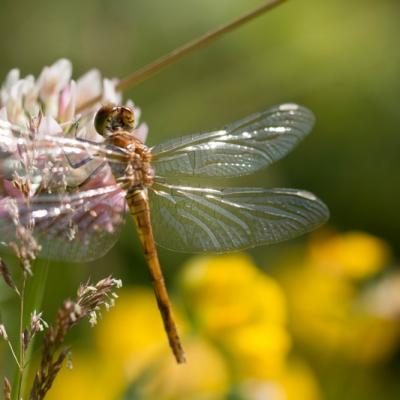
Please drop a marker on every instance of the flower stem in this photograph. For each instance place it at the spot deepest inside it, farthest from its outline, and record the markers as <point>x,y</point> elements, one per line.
<point>16,390</point>
<point>175,55</point>
<point>32,293</point>
<point>21,362</point>
<point>13,353</point>
<point>34,300</point>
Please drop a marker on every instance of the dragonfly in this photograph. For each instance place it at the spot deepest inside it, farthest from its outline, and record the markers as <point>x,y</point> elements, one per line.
<point>73,193</point>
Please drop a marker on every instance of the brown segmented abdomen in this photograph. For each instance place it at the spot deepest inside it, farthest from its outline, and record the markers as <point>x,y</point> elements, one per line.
<point>139,208</point>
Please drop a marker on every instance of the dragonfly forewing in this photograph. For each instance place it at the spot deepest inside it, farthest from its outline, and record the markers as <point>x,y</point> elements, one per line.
<point>238,149</point>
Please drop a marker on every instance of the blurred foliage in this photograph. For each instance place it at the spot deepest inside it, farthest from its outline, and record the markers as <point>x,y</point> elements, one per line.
<point>315,330</point>
<point>324,325</point>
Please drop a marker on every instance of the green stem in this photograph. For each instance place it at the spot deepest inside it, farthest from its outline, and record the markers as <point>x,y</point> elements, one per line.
<point>13,353</point>
<point>31,299</point>
<point>21,336</point>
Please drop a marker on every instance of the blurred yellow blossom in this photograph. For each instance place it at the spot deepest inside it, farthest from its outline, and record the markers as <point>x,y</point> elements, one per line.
<point>353,254</point>
<point>225,292</point>
<point>299,382</point>
<point>296,382</point>
<point>235,329</point>
<point>242,309</point>
<point>204,376</point>
<point>132,334</point>
<point>90,378</point>
<point>133,352</point>
<point>257,350</point>
<point>319,303</point>
<point>371,339</point>
<point>327,313</point>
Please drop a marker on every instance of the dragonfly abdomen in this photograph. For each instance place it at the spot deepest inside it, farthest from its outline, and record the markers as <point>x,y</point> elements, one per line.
<point>138,203</point>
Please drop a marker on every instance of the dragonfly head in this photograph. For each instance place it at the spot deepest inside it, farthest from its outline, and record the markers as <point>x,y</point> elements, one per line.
<point>111,119</point>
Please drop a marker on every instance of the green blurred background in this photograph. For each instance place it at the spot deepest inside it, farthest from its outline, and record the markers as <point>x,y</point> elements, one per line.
<point>339,58</point>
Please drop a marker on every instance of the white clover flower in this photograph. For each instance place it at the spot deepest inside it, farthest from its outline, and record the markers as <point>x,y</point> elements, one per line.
<point>58,98</point>
<point>52,105</point>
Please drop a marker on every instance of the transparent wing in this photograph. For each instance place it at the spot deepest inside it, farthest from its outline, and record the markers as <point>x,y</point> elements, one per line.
<point>239,149</point>
<point>190,219</point>
<point>79,226</point>
<point>36,148</point>
<point>60,189</point>
<point>52,163</point>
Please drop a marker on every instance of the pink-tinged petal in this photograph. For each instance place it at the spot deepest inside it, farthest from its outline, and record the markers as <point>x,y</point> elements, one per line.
<point>3,114</point>
<point>16,110</point>
<point>110,95</point>
<point>141,132</point>
<point>54,78</point>
<point>111,215</point>
<point>7,144</point>
<point>21,88</point>
<point>49,126</point>
<point>88,132</point>
<point>50,83</point>
<point>67,102</point>
<point>103,177</point>
<point>9,190</point>
<point>30,97</point>
<point>136,110</point>
<point>11,78</point>
<point>88,86</point>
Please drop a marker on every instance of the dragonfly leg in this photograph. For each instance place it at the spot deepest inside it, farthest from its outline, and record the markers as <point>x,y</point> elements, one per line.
<point>80,163</point>
<point>91,175</point>
<point>140,211</point>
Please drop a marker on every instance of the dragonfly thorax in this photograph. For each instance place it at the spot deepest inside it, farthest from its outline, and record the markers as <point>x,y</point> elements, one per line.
<point>138,171</point>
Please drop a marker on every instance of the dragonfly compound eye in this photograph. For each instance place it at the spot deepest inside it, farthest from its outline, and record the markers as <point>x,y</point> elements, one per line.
<point>111,118</point>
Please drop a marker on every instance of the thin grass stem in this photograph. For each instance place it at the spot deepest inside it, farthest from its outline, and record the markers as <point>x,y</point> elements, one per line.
<point>21,355</point>
<point>31,298</point>
<point>175,55</point>
<point>34,296</point>
<point>13,353</point>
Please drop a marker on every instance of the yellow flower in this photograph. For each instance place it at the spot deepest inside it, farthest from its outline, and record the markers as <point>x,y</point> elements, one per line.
<point>299,382</point>
<point>204,376</point>
<point>327,313</point>
<point>296,382</point>
<point>133,352</point>
<point>355,254</point>
<point>226,292</point>
<point>240,308</point>
<point>90,378</point>
<point>258,351</point>
<point>370,339</point>
<point>319,303</point>
<point>132,335</point>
